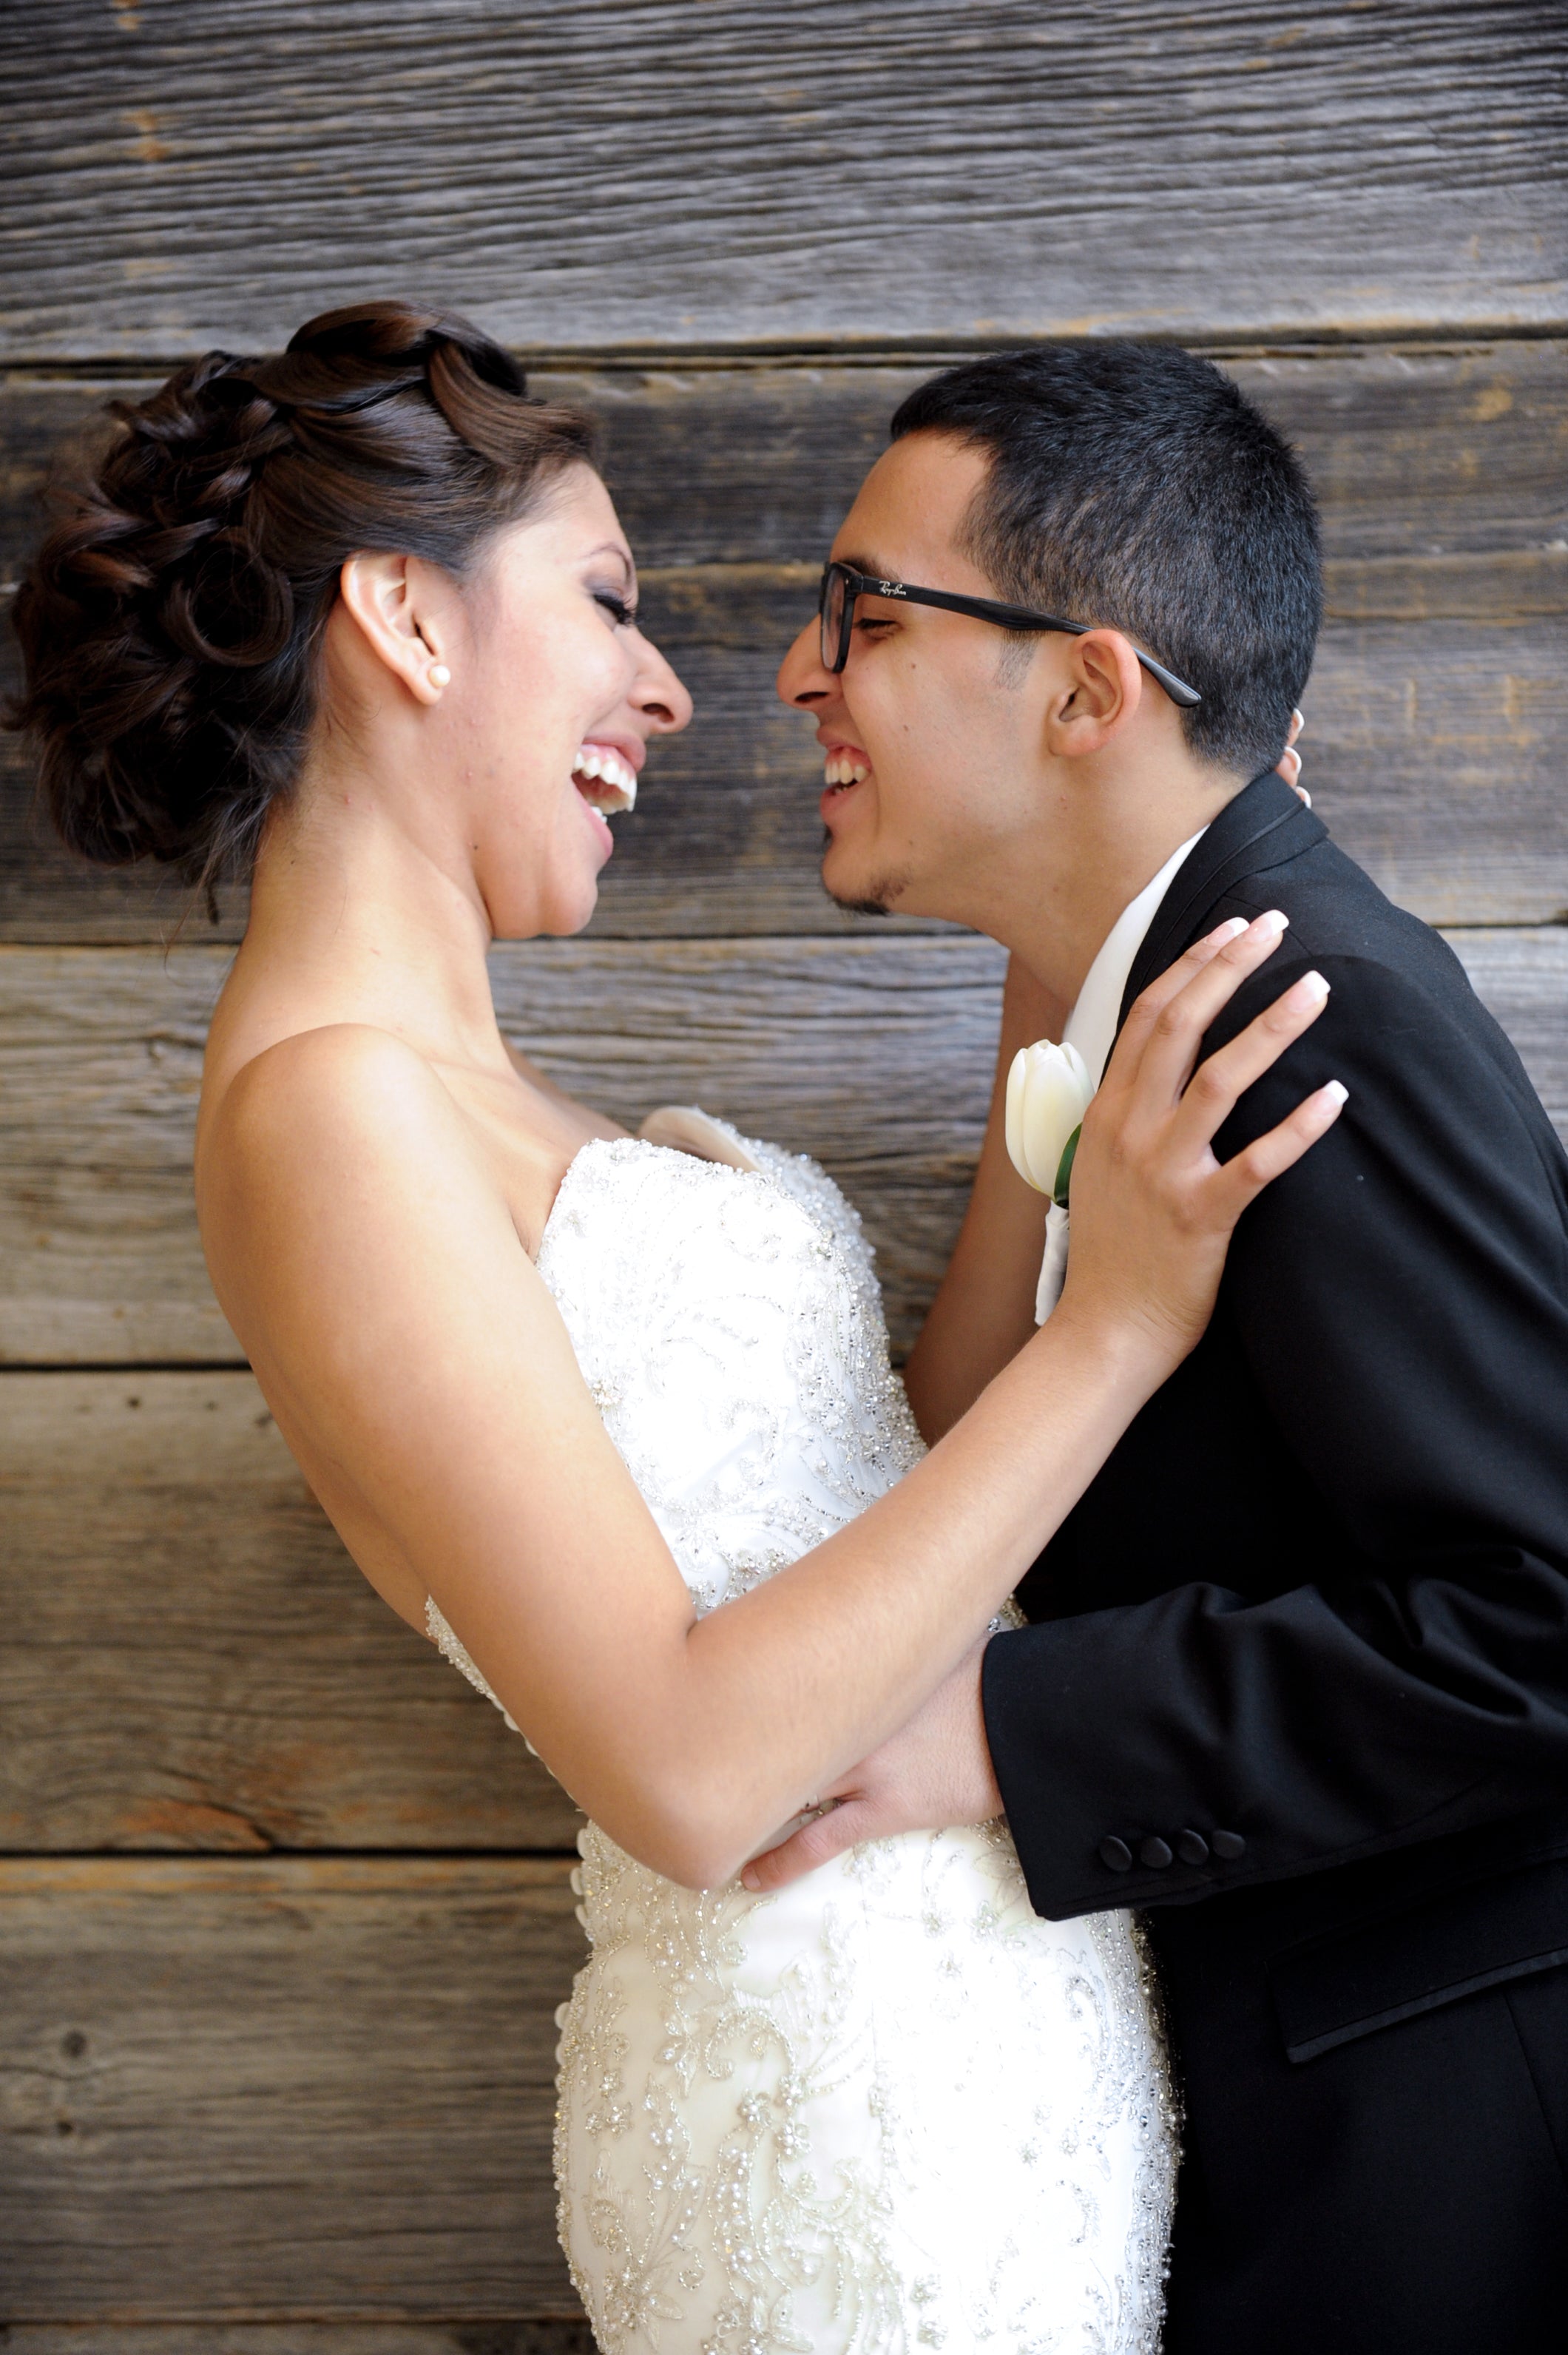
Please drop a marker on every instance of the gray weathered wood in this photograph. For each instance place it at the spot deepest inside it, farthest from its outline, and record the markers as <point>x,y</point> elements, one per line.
<point>193,1662</point>
<point>248,2088</point>
<point>1435,749</point>
<point>605,173</point>
<point>1414,450</point>
<point>1523,978</point>
<point>1437,715</point>
<point>551,2337</point>
<point>877,1052</point>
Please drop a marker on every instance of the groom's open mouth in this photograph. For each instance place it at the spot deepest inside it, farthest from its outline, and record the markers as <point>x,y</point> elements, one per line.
<point>843,766</point>
<point>605,778</point>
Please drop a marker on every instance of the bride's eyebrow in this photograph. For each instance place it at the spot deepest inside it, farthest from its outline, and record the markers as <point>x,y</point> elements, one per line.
<point>612,548</point>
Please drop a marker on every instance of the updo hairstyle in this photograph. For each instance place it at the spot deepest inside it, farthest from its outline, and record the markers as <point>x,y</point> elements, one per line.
<point>172,620</point>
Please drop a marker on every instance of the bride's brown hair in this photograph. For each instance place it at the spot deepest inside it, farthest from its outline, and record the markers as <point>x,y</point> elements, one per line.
<point>171,621</point>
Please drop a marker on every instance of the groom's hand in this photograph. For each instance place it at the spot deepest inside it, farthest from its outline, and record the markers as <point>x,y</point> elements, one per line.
<point>935,1771</point>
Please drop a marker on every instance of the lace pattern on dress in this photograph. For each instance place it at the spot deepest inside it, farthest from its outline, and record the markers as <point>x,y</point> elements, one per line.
<point>888,2108</point>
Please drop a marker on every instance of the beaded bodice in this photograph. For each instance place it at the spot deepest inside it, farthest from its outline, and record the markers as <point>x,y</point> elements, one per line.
<point>728,1323</point>
<point>886,2108</point>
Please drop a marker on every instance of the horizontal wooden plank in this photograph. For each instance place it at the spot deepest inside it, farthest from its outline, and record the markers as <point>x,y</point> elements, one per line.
<point>1437,712</point>
<point>1523,978</point>
<point>1425,451</point>
<point>1434,751</point>
<point>192,1660</point>
<point>182,177</point>
<point>263,2089</point>
<point>552,2336</point>
<point>877,1052</point>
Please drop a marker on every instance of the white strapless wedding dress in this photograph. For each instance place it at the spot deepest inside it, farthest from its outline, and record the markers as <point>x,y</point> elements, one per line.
<point>886,2108</point>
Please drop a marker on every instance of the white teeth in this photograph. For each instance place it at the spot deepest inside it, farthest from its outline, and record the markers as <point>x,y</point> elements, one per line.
<point>842,768</point>
<point>598,764</point>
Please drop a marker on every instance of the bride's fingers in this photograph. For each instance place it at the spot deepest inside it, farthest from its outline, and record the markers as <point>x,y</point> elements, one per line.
<point>1219,1082</point>
<point>1151,1002</point>
<point>1168,1051</point>
<point>1242,1179</point>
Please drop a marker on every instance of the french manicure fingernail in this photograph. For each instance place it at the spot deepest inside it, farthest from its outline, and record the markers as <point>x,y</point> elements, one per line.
<point>1335,1092</point>
<point>1231,930</point>
<point>1275,921</point>
<point>749,1879</point>
<point>1311,990</point>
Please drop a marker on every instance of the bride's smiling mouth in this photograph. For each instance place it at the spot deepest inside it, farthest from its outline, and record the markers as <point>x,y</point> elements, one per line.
<point>605,777</point>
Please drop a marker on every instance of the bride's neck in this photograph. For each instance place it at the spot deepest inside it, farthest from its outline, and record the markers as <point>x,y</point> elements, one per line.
<point>363,912</point>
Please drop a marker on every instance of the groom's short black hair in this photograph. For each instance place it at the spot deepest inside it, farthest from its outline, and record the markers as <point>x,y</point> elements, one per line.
<point>1134,485</point>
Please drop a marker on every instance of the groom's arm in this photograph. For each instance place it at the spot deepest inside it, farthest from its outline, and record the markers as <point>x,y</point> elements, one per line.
<point>983,1312</point>
<point>1401,1299</point>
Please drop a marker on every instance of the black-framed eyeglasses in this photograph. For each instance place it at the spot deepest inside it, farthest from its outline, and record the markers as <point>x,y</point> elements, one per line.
<point>841,586</point>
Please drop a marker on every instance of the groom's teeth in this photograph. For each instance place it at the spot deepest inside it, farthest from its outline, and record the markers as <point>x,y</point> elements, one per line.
<point>842,768</point>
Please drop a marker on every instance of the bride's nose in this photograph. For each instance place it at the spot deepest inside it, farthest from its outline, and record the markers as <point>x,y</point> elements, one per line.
<point>660,695</point>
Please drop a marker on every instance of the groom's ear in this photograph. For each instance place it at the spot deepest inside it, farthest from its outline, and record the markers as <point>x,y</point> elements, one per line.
<point>1097,692</point>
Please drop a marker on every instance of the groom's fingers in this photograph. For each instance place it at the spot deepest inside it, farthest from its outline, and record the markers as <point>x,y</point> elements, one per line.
<point>815,1844</point>
<point>1219,1082</point>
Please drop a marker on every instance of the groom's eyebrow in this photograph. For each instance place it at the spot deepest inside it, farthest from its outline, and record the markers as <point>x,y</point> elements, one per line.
<point>867,564</point>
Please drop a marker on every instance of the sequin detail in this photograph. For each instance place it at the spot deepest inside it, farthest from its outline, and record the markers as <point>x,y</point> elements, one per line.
<point>886,2108</point>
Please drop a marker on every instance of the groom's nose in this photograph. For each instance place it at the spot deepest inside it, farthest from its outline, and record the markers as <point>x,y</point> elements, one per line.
<point>803,679</point>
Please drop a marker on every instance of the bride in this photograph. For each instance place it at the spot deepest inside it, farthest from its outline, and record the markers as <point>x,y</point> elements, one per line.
<point>611,1418</point>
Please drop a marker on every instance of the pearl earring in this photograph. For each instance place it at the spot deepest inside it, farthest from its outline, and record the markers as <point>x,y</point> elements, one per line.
<point>438,676</point>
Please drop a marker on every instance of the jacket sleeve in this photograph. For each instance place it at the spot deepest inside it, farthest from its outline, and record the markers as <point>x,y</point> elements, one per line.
<point>1400,1300</point>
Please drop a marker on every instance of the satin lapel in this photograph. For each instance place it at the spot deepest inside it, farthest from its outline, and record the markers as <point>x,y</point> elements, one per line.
<point>1234,845</point>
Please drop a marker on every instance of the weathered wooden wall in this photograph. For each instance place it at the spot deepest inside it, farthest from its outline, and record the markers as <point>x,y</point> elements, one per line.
<point>283,1909</point>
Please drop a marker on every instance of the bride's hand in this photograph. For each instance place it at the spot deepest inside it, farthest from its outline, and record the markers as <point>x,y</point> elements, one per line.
<point>1153,1210</point>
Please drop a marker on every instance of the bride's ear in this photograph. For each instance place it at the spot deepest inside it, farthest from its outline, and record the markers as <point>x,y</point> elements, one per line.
<point>389,601</point>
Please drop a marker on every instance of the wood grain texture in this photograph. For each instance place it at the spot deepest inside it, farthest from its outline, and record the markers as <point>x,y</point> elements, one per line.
<point>1523,978</point>
<point>556,2336</point>
<point>608,171</point>
<point>877,1052</point>
<point>262,2089</point>
<point>1437,715</point>
<point>193,1662</point>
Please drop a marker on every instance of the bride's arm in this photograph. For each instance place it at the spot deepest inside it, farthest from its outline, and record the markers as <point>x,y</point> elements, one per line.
<point>371,1268</point>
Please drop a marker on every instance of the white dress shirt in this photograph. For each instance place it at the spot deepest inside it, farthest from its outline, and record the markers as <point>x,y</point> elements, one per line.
<point>1092,1029</point>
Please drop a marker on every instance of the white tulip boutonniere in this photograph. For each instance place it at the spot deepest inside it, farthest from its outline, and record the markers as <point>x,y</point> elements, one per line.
<point>1049,1092</point>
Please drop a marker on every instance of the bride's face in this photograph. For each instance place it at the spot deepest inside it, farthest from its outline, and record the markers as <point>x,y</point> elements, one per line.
<point>535,697</point>
<point>568,693</point>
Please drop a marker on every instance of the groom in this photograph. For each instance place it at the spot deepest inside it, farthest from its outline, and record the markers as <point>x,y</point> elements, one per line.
<point>1297,1680</point>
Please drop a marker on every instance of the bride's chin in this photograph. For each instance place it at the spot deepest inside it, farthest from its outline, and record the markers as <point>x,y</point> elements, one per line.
<point>528,906</point>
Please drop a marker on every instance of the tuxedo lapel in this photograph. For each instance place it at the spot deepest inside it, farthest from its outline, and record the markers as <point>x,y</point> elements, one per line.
<point>1267,823</point>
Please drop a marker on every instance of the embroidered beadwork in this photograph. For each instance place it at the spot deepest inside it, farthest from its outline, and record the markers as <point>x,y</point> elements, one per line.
<point>886,2108</point>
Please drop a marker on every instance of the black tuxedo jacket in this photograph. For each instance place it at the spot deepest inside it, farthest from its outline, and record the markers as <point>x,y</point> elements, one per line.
<point>1297,1678</point>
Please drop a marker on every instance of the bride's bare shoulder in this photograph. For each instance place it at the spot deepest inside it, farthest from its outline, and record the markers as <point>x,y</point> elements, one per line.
<point>307,1102</point>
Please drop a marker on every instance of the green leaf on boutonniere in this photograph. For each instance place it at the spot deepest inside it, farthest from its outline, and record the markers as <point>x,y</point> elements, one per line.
<point>1064,1169</point>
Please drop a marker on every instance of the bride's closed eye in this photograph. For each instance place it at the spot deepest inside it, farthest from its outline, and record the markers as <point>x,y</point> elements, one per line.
<point>623,613</point>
